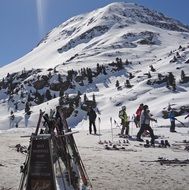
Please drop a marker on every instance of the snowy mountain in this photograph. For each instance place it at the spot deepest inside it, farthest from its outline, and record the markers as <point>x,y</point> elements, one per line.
<point>121,54</point>
<point>130,44</point>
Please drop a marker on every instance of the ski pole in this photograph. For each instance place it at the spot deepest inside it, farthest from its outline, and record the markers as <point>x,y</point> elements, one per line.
<point>131,125</point>
<point>99,121</point>
<point>117,125</point>
<point>111,128</point>
<point>180,122</point>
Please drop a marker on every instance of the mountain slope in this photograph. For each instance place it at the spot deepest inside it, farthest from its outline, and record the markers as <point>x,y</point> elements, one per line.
<point>136,35</point>
<point>93,32</point>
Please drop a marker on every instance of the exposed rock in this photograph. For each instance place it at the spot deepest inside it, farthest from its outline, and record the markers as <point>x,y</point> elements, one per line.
<point>57,86</point>
<point>39,84</point>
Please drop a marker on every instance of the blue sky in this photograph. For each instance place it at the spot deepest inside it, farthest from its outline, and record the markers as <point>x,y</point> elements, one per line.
<point>23,23</point>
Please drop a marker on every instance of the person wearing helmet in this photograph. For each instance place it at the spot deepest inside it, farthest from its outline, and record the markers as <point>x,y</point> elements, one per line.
<point>124,121</point>
<point>145,119</point>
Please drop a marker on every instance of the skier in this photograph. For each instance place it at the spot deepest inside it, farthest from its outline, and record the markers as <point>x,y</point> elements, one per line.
<point>172,118</point>
<point>92,117</point>
<point>145,119</point>
<point>138,113</point>
<point>124,122</point>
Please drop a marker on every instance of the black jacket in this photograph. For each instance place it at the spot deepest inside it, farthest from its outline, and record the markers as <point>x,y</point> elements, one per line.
<point>92,115</point>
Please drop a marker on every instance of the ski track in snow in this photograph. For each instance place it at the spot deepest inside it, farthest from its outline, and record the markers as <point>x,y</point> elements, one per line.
<point>108,169</point>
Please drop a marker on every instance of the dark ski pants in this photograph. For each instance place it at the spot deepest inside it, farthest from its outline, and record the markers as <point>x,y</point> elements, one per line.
<point>172,128</point>
<point>125,127</point>
<point>90,126</point>
<point>137,121</point>
<point>143,128</point>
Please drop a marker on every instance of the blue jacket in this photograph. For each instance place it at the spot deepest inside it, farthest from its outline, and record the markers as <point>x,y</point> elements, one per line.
<point>171,116</point>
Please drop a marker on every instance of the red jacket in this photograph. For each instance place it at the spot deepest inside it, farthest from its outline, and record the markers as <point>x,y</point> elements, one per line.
<point>138,112</point>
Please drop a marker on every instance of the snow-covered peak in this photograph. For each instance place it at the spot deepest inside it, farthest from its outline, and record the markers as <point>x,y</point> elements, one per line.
<point>95,33</point>
<point>120,12</point>
<point>136,13</point>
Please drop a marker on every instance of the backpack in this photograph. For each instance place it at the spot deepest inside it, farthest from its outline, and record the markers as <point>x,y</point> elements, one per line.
<point>120,113</point>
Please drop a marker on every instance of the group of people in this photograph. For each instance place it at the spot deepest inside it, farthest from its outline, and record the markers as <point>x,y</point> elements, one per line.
<point>142,120</point>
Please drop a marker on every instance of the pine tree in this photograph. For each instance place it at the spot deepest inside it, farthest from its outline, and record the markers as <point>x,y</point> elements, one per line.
<point>171,78</point>
<point>178,55</point>
<point>167,82</point>
<point>85,98</point>
<point>149,75</point>
<point>174,85</point>
<point>49,75</point>
<point>48,94</point>
<point>61,93</point>
<point>127,84</point>
<point>104,70</point>
<point>59,78</point>
<point>98,69</point>
<point>78,93</point>
<point>152,68</point>
<point>89,75</point>
<point>183,76</point>
<point>27,108</point>
<point>119,64</point>
<point>94,100</point>
<point>131,76</point>
<point>117,83</point>
<point>159,76</point>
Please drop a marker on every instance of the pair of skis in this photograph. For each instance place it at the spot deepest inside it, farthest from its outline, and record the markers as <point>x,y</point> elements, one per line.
<point>70,140</point>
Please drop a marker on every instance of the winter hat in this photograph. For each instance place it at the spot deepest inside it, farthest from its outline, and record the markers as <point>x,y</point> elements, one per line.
<point>123,107</point>
<point>145,107</point>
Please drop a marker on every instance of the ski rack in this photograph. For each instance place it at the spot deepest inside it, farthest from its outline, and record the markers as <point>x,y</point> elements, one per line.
<point>63,158</point>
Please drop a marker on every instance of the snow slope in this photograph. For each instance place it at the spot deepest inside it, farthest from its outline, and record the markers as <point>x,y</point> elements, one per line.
<point>123,30</point>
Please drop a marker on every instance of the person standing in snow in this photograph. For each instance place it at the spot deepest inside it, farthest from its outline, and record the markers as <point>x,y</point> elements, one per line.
<point>92,118</point>
<point>172,118</point>
<point>145,119</point>
<point>124,121</point>
<point>138,113</point>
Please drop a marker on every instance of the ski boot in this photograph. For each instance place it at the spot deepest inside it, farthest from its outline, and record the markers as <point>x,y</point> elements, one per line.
<point>147,145</point>
<point>100,142</point>
<point>115,147</point>
<point>140,140</point>
<point>107,147</point>
<point>162,143</point>
<point>167,143</point>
